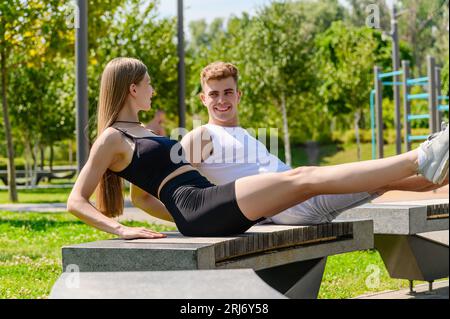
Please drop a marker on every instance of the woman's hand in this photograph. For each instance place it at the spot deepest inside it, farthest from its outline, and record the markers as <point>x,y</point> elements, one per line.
<point>139,233</point>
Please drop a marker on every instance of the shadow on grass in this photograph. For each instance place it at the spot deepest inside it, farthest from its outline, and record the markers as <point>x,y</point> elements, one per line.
<point>48,222</point>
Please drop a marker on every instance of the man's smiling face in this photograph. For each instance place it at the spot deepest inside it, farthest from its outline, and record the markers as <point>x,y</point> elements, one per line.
<point>222,98</point>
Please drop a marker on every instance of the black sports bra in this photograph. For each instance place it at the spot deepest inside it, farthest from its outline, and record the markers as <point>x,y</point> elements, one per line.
<point>154,158</point>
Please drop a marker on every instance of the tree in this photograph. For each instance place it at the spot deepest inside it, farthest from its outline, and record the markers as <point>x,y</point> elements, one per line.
<point>20,42</point>
<point>345,62</point>
<point>207,44</point>
<point>422,25</point>
<point>44,108</point>
<point>445,79</point>
<point>36,59</point>
<point>277,54</point>
<point>136,31</point>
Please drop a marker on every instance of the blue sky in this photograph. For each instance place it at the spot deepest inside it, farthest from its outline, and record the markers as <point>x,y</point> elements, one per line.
<point>210,9</point>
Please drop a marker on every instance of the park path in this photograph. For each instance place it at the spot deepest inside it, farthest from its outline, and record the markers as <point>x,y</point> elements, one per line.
<point>130,213</point>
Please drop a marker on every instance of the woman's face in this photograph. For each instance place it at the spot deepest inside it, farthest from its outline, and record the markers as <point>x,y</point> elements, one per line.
<point>144,93</point>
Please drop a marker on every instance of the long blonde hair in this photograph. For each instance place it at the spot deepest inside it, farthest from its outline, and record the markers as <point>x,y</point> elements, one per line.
<point>118,76</point>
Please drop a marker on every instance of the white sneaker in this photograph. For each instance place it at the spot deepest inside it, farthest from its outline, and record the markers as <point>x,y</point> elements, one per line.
<point>434,166</point>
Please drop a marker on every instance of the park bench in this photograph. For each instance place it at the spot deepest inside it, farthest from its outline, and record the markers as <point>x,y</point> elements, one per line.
<point>411,237</point>
<point>268,261</point>
<point>22,178</point>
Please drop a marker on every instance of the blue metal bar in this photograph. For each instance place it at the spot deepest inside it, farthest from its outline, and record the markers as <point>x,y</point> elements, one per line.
<point>417,81</point>
<point>443,98</point>
<point>390,74</point>
<point>418,117</point>
<point>372,123</point>
<point>417,138</point>
<point>392,83</point>
<point>422,84</point>
<point>443,108</point>
<point>422,96</point>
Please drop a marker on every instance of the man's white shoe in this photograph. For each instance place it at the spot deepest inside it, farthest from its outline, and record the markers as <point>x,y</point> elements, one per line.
<point>434,166</point>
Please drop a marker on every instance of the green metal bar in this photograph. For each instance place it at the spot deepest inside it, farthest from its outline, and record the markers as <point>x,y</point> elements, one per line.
<point>443,108</point>
<point>443,98</point>
<point>392,83</point>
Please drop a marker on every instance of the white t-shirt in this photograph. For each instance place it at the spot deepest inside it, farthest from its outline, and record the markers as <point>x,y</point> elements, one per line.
<point>237,154</point>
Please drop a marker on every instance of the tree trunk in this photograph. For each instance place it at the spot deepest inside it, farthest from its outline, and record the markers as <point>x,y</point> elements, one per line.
<point>12,189</point>
<point>51,157</point>
<point>35,163</point>
<point>33,156</point>
<point>413,36</point>
<point>287,143</point>
<point>358,140</point>
<point>42,150</point>
<point>28,164</point>
<point>70,153</point>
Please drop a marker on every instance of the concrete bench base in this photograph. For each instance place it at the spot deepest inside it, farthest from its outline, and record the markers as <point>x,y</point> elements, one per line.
<point>300,280</point>
<point>289,259</point>
<point>413,257</point>
<point>411,237</point>
<point>200,284</point>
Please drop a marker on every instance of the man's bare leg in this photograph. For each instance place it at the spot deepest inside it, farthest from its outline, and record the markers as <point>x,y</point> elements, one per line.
<point>411,184</point>
<point>268,194</point>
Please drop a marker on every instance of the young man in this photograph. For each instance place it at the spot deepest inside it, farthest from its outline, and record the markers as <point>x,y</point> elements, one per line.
<point>223,152</point>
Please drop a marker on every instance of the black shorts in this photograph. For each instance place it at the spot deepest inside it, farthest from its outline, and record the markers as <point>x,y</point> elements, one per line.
<point>202,209</point>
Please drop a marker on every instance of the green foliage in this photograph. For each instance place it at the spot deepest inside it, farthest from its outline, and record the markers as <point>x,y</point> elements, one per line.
<point>44,112</point>
<point>136,32</point>
<point>318,54</point>
<point>445,78</point>
<point>346,56</point>
<point>424,25</point>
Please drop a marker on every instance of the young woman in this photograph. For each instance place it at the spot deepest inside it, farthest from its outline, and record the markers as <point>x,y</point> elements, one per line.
<point>125,149</point>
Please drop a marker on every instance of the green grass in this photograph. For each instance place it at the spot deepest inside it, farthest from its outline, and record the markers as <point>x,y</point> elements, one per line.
<point>37,196</point>
<point>42,195</point>
<point>355,274</point>
<point>30,258</point>
<point>30,250</point>
<point>337,154</point>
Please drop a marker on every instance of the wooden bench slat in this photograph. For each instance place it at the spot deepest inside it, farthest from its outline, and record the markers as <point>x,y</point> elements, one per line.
<point>265,241</point>
<point>438,211</point>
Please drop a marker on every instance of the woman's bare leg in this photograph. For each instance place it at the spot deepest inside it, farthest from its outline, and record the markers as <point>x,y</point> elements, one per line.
<point>268,194</point>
